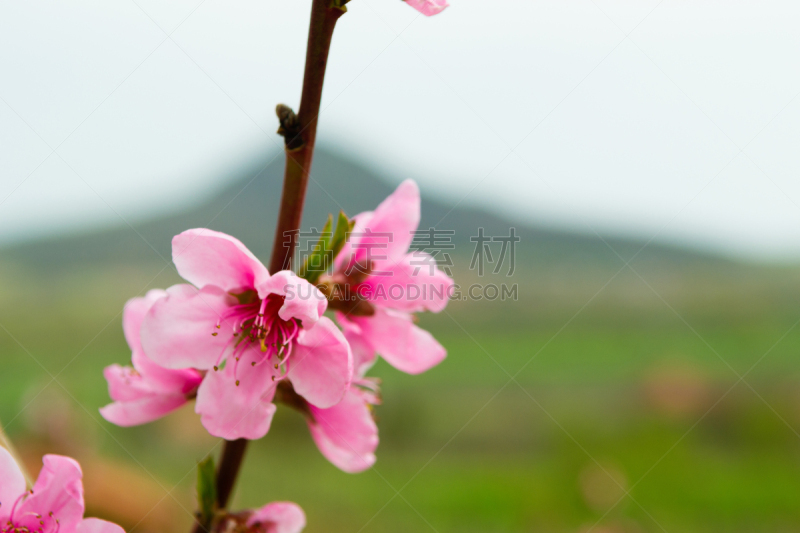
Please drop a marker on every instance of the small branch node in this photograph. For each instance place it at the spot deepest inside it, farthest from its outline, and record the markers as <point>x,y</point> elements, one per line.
<point>290,127</point>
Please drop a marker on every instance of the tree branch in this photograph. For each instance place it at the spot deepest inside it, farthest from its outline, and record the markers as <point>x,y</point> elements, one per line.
<point>300,145</point>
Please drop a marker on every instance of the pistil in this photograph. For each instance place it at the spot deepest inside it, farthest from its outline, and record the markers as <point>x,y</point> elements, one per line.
<point>258,324</point>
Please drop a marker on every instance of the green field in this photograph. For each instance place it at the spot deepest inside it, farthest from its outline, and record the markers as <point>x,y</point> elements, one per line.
<point>545,412</point>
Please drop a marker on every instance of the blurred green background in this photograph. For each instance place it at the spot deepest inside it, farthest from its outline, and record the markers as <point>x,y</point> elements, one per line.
<point>657,370</point>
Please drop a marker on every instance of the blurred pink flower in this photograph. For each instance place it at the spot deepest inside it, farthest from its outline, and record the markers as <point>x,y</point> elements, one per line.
<point>147,391</point>
<point>54,505</point>
<point>247,330</point>
<point>376,269</point>
<point>428,7</point>
<point>277,517</point>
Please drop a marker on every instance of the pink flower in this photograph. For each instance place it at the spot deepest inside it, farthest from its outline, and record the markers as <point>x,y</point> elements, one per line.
<point>277,517</point>
<point>55,504</point>
<point>147,391</point>
<point>247,330</point>
<point>428,7</point>
<point>382,285</point>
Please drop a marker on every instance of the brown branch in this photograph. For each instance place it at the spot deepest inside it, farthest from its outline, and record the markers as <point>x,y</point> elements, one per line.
<point>300,145</point>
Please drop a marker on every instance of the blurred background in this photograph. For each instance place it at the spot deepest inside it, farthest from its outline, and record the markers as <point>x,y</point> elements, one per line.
<point>641,375</point>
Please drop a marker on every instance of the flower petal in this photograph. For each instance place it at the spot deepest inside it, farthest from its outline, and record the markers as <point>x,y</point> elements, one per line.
<point>278,517</point>
<point>206,257</point>
<point>384,235</point>
<point>58,490</point>
<point>321,364</point>
<point>156,378</point>
<point>402,344</point>
<point>127,384</point>
<point>346,434</point>
<point>361,223</point>
<point>142,410</point>
<point>165,380</point>
<point>413,284</point>
<point>12,483</point>
<point>124,384</point>
<point>133,314</point>
<point>302,300</point>
<point>428,7</point>
<point>364,355</point>
<point>242,411</point>
<point>178,330</point>
<point>95,525</point>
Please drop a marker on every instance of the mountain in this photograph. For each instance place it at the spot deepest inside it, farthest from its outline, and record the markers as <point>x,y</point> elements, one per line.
<point>247,208</point>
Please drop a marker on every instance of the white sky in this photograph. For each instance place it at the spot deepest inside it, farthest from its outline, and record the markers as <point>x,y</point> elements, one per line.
<point>671,118</point>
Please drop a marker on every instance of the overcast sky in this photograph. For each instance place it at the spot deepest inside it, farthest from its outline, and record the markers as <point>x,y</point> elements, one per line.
<point>668,118</point>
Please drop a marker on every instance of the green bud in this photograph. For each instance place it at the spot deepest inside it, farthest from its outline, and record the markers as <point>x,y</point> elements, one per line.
<point>327,248</point>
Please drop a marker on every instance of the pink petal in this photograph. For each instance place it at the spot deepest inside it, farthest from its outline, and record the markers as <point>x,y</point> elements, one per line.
<point>321,364</point>
<point>124,384</point>
<point>142,410</point>
<point>133,314</point>
<point>303,300</point>
<point>361,224</point>
<point>59,491</point>
<point>402,344</point>
<point>428,7</point>
<point>12,483</point>
<point>95,525</point>
<point>364,355</point>
<point>346,434</point>
<point>178,330</point>
<point>156,377</point>
<point>206,257</point>
<point>278,517</point>
<point>166,380</point>
<point>238,412</point>
<point>149,391</point>
<point>413,284</point>
<point>385,235</point>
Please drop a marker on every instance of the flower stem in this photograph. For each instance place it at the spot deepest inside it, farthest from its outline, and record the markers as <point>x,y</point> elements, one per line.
<point>229,464</point>
<point>299,154</point>
<point>300,143</point>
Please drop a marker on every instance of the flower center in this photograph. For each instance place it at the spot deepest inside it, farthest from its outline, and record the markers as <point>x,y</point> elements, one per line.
<point>344,294</point>
<point>255,324</point>
<point>29,522</point>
